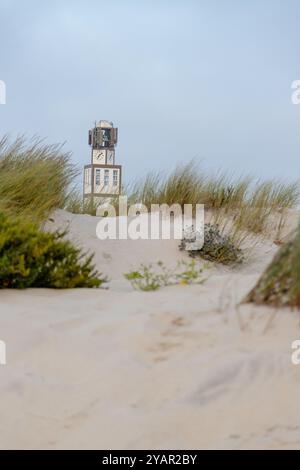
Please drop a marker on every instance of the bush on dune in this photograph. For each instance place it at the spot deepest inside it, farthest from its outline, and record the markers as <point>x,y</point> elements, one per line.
<point>218,247</point>
<point>31,258</point>
<point>280,283</point>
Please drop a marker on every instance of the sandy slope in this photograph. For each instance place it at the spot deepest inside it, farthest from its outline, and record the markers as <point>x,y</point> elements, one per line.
<point>177,368</point>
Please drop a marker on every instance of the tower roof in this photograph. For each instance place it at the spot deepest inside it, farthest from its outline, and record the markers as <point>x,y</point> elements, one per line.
<point>105,124</point>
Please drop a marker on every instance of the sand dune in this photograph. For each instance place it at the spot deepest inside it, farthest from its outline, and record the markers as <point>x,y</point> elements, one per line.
<point>182,367</point>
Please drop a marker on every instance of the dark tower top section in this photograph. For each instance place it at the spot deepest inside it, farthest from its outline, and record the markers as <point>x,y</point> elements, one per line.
<point>103,136</point>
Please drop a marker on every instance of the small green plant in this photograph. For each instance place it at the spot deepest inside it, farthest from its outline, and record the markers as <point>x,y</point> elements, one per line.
<point>32,258</point>
<point>144,279</point>
<point>190,273</point>
<point>149,278</point>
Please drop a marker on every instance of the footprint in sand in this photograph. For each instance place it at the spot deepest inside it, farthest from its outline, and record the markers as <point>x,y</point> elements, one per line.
<point>164,348</point>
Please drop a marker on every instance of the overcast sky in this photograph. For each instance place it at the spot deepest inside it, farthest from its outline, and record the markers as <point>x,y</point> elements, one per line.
<point>180,79</point>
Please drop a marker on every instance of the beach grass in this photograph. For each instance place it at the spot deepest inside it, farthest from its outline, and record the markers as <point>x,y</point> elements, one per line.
<point>35,178</point>
<point>245,204</point>
<point>189,183</point>
<point>280,284</point>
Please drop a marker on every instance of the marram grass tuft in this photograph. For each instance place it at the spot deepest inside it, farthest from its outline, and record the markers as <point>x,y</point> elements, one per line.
<point>34,178</point>
<point>280,284</point>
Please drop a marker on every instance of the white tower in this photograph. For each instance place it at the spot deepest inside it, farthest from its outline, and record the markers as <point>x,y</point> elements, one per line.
<point>102,178</point>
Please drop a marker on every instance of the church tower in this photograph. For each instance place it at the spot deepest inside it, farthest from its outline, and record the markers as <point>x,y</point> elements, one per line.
<point>102,177</point>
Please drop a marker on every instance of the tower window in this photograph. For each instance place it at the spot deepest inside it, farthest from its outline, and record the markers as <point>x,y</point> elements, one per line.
<point>97,178</point>
<point>115,178</point>
<point>87,176</point>
<point>105,137</point>
<point>106,177</point>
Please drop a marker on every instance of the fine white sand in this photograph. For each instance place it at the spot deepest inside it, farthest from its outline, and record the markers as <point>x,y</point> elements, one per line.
<point>181,367</point>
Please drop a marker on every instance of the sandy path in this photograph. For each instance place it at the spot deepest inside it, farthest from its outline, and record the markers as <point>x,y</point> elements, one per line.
<point>178,368</point>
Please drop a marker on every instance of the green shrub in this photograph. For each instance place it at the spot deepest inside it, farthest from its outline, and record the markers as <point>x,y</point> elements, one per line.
<point>31,258</point>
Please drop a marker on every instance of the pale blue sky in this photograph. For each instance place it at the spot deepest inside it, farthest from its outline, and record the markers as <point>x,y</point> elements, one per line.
<point>181,79</point>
